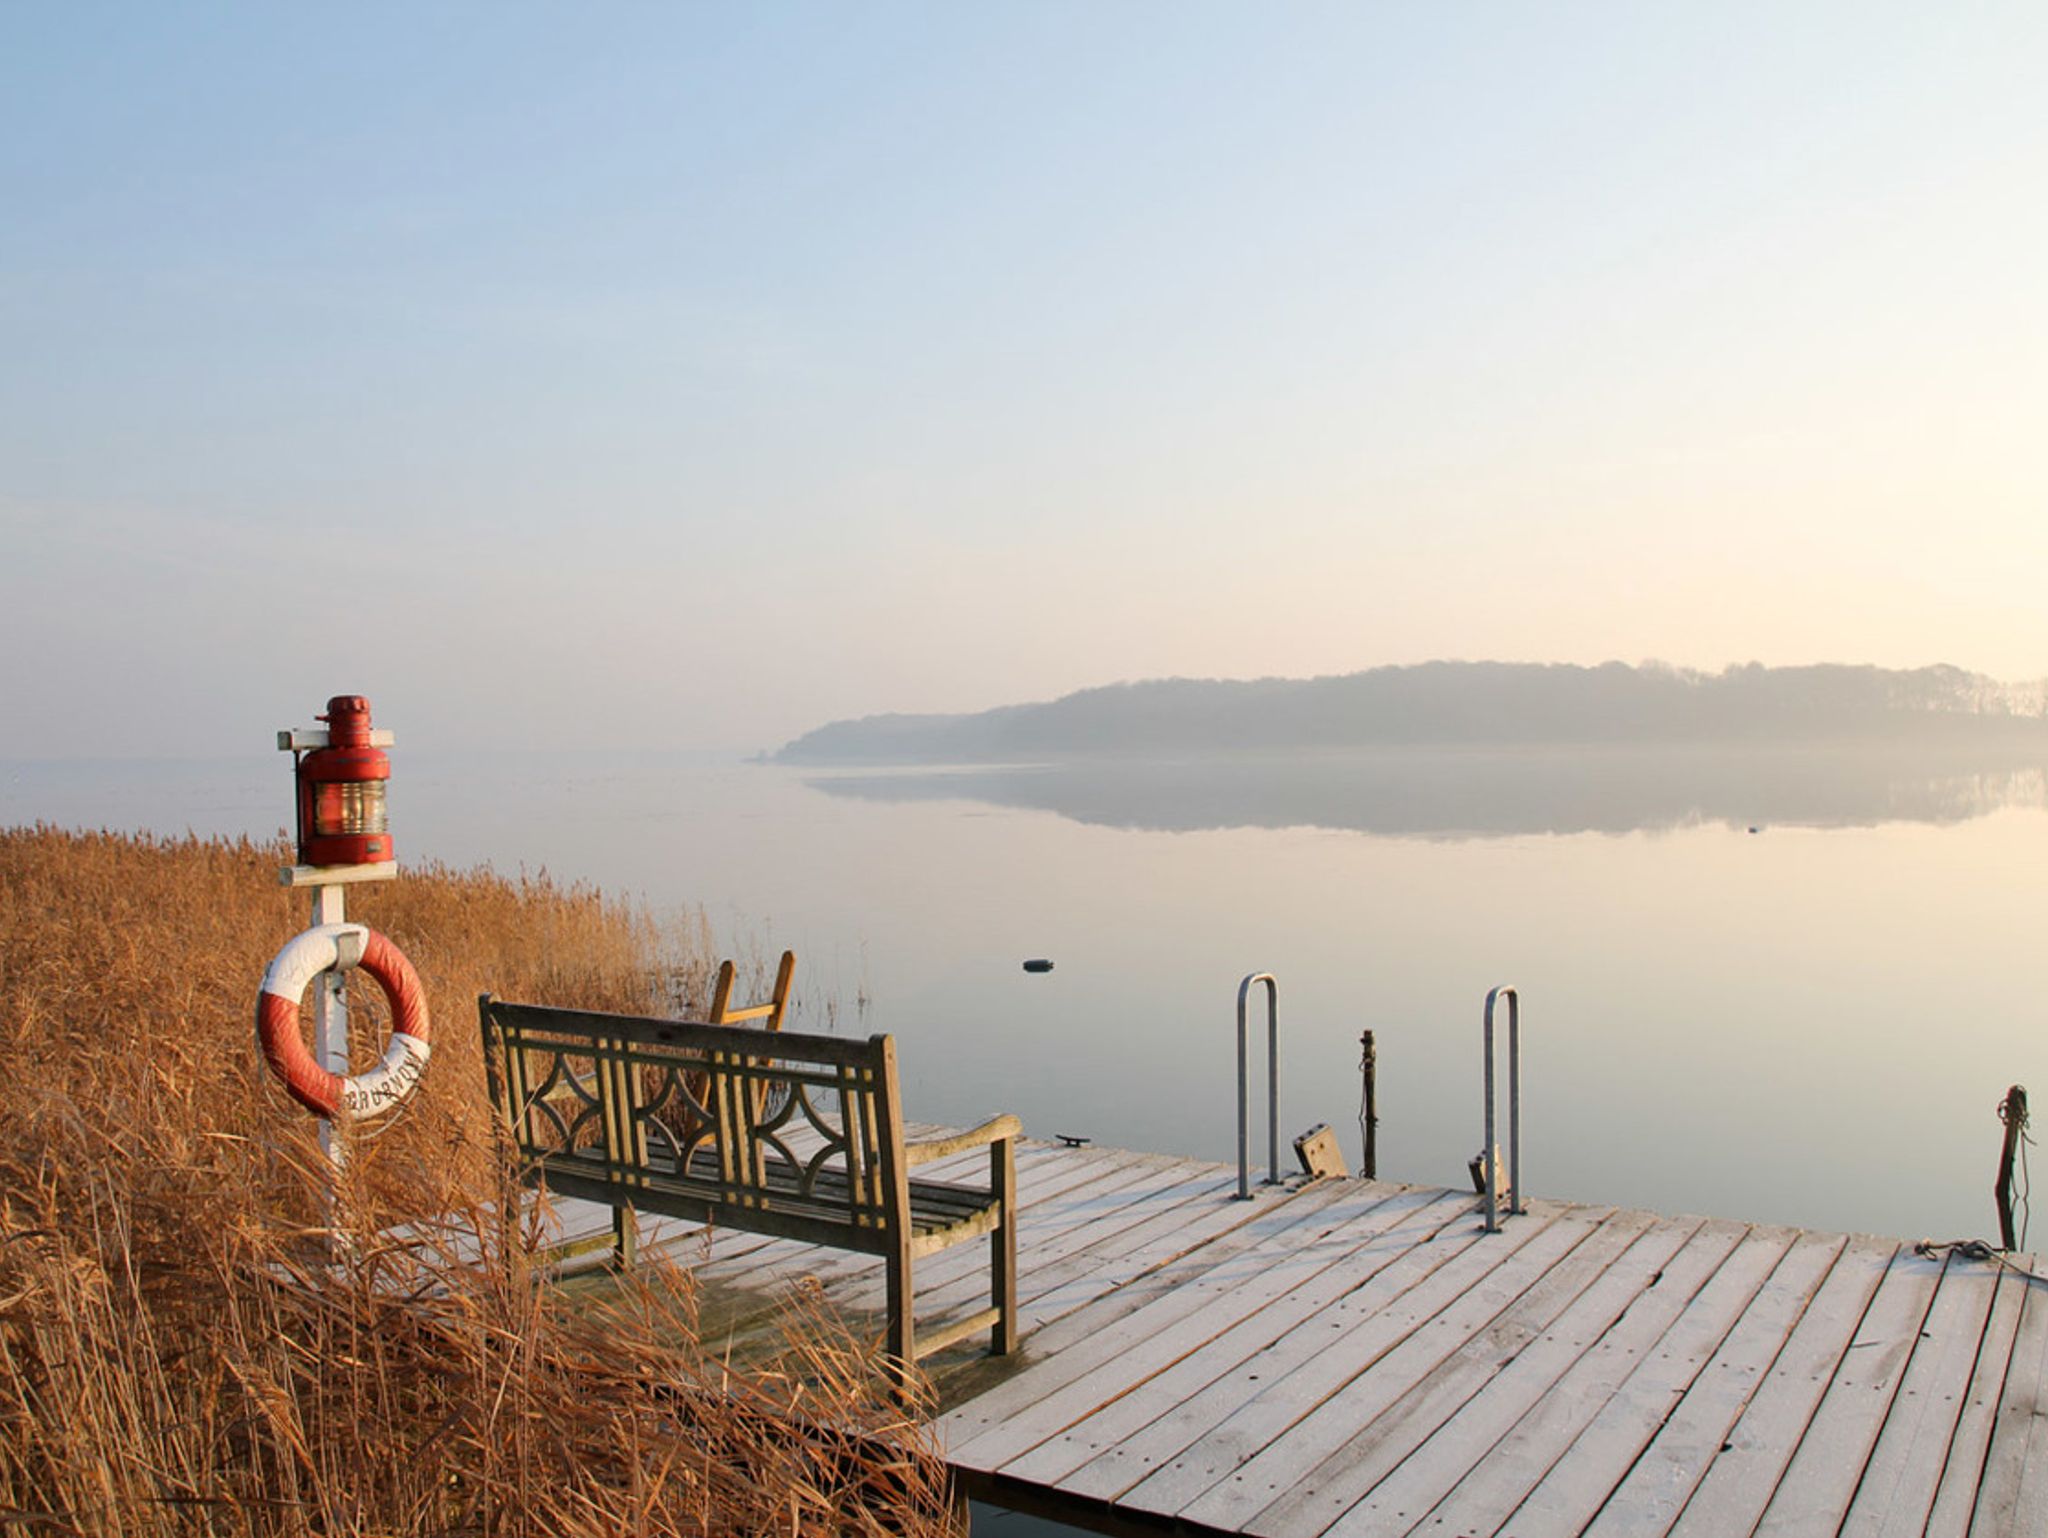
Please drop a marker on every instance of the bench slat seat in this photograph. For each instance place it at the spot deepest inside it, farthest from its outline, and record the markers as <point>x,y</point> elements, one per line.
<point>941,1213</point>
<point>792,1135</point>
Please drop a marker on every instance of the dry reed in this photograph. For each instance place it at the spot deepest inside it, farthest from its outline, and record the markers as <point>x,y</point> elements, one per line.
<point>194,1340</point>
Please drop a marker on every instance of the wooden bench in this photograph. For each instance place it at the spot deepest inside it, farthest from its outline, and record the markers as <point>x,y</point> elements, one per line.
<point>766,1016</point>
<point>699,1122</point>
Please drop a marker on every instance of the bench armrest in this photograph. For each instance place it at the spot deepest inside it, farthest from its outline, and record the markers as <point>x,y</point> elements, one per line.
<point>994,1130</point>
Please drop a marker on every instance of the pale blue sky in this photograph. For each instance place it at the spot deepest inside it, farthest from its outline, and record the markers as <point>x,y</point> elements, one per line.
<point>692,375</point>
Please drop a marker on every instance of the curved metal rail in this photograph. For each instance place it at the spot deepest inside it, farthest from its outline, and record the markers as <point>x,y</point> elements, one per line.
<point>1490,1150</point>
<point>1244,1181</point>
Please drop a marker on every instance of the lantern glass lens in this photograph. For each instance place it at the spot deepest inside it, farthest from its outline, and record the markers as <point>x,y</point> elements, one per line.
<point>349,808</point>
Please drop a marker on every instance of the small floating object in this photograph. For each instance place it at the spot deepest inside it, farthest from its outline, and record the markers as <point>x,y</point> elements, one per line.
<point>1038,964</point>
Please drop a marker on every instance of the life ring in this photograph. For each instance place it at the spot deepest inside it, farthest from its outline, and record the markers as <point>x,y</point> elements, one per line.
<point>324,948</point>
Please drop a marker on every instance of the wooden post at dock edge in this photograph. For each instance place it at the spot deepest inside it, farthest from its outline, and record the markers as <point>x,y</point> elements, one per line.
<point>1369,1115</point>
<point>2013,1112</point>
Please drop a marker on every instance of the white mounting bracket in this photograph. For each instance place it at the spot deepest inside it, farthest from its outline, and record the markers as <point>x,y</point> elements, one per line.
<point>335,875</point>
<point>301,739</point>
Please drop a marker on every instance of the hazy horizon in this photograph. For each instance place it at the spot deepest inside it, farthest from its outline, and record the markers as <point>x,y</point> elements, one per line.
<point>689,377</point>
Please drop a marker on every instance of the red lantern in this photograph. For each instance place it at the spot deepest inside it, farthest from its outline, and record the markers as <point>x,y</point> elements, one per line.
<point>342,818</point>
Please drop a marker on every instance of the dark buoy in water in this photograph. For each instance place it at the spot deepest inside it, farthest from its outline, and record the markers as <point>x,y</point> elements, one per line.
<point>1038,964</point>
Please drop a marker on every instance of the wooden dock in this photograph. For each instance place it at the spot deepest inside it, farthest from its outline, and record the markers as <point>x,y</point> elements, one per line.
<point>1346,1357</point>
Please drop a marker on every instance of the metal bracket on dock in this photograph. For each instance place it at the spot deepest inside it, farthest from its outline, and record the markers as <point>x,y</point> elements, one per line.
<point>1490,1150</point>
<point>1244,1178</point>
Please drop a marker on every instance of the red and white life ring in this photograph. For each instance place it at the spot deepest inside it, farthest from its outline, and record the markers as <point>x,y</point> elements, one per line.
<point>305,956</point>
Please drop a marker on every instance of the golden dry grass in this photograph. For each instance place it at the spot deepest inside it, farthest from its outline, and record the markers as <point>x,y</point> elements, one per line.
<point>191,1343</point>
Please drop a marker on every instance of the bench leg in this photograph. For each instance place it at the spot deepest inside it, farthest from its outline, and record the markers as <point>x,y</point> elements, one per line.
<point>902,1342</point>
<point>1002,1248</point>
<point>625,1237</point>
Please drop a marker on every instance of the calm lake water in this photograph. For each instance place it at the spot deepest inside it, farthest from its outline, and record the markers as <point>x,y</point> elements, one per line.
<point>1812,1022</point>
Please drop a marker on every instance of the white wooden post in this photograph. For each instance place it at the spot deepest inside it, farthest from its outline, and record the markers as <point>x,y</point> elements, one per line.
<point>330,1017</point>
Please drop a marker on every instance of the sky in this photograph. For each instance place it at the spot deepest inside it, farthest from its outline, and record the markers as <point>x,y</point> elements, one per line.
<point>686,376</point>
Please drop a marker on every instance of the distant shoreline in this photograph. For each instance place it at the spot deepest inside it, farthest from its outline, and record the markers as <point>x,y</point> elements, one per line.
<point>1462,706</point>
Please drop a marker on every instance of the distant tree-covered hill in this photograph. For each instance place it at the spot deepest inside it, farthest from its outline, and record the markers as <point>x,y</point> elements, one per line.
<point>1442,704</point>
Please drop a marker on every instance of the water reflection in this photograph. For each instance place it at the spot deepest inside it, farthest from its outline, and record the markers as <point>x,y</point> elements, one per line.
<point>1478,794</point>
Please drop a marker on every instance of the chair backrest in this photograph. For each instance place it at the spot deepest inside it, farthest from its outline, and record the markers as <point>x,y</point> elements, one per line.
<point>769,1014</point>
<point>611,1098</point>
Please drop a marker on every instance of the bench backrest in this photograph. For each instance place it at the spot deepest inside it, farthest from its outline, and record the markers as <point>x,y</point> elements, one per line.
<point>600,1104</point>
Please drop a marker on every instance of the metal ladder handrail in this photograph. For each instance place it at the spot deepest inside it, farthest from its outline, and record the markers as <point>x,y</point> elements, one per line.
<point>1244,1180</point>
<point>1489,1151</point>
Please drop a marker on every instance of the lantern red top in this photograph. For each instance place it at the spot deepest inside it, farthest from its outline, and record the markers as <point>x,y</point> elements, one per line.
<point>342,818</point>
<point>348,721</point>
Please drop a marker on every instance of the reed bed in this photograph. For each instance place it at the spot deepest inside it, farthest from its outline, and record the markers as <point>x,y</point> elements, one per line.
<point>202,1331</point>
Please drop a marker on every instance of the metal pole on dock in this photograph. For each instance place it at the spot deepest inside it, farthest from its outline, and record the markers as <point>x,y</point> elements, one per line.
<point>1244,1178</point>
<point>1490,1152</point>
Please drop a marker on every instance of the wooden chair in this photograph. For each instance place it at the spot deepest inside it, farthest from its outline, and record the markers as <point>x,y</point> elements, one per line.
<point>767,1093</point>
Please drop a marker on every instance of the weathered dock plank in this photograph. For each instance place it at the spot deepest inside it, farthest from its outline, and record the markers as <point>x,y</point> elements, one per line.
<point>1691,1435</point>
<point>1351,1448</point>
<point>1430,1472</point>
<point>1203,1439</point>
<point>1584,1480</point>
<point>1260,1353</point>
<point>1282,1483</point>
<point>2010,1498</point>
<point>1822,1478</point>
<point>1962,1474</point>
<point>1650,1351</point>
<point>1737,1486</point>
<point>1896,1494</point>
<point>1037,1404</point>
<point>1353,1359</point>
